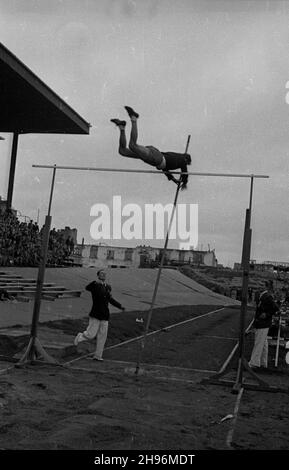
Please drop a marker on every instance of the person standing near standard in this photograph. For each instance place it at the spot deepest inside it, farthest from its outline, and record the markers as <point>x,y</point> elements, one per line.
<point>265,310</point>
<point>99,314</point>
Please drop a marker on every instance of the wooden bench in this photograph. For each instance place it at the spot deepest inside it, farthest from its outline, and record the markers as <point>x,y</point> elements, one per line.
<point>71,293</point>
<point>45,288</point>
<point>47,294</point>
<point>14,287</point>
<point>23,284</point>
<point>10,277</point>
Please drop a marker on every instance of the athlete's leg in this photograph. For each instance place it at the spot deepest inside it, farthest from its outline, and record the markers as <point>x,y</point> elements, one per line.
<point>264,355</point>
<point>122,148</point>
<point>101,339</point>
<point>142,151</point>
<point>148,154</point>
<point>259,342</point>
<point>89,333</point>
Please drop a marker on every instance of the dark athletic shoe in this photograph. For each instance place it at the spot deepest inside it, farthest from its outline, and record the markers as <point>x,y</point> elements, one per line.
<point>131,112</point>
<point>117,122</point>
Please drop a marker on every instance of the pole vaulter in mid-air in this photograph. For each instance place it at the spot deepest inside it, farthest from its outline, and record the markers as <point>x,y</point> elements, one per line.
<point>164,161</point>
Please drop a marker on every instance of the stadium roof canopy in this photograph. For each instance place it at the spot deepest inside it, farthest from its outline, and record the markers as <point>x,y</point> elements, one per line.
<point>30,106</point>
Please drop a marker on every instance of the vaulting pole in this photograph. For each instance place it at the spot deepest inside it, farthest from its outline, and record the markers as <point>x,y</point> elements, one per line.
<point>142,341</point>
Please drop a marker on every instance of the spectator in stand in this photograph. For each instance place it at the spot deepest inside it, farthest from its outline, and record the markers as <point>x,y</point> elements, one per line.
<point>20,243</point>
<point>286,297</point>
<point>250,294</point>
<point>70,245</point>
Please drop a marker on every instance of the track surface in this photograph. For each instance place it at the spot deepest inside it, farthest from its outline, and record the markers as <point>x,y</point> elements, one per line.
<point>100,406</point>
<point>203,343</point>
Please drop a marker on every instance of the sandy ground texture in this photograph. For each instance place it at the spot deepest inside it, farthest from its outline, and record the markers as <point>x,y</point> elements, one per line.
<point>81,404</point>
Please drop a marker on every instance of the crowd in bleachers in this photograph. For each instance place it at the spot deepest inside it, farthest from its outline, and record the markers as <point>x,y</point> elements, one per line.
<point>21,243</point>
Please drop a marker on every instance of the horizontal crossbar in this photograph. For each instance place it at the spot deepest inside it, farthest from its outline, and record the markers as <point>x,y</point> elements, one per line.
<point>120,170</point>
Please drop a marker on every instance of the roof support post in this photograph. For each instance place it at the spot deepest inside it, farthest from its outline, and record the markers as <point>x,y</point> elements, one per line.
<point>12,170</point>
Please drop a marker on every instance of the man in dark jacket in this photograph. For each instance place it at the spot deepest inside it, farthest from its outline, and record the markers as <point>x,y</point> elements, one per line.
<point>265,310</point>
<point>165,161</point>
<point>99,314</point>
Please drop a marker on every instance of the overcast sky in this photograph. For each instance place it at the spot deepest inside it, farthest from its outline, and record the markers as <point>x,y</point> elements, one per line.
<point>216,70</point>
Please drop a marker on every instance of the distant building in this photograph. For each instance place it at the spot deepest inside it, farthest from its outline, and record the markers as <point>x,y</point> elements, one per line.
<point>277,264</point>
<point>101,256</point>
<point>254,266</point>
<point>207,258</point>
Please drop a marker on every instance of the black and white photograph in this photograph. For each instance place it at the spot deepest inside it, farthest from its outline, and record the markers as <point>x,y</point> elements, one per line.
<point>144,230</point>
